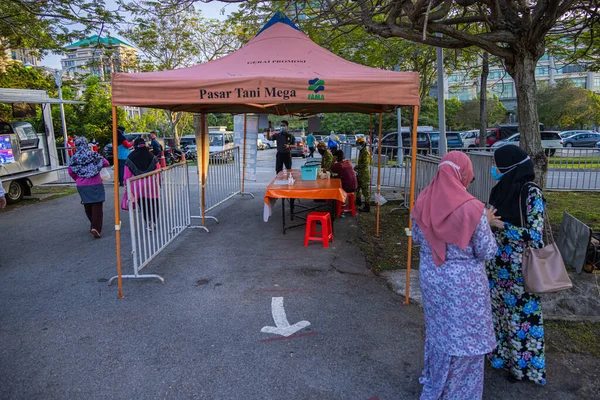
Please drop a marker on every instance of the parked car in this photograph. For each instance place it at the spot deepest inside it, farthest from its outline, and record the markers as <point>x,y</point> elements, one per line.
<point>318,138</point>
<point>501,132</point>
<point>454,140</point>
<point>551,141</point>
<point>598,146</point>
<point>469,138</point>
<point>424,144</point>
<point>267,144</point>
<point>582,140</point>
<point>301,149</point>
<point>568,134</point>
<point>342,139</point>
<point>351,140</point>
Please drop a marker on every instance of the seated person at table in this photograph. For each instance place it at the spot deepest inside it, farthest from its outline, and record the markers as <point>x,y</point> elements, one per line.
<point>345,171</point>
<point>326,156</point>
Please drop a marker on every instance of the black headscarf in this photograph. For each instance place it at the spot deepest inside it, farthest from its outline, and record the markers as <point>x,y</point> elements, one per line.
<point>505,195</point>
<point>141,161</point>
<point>121,135</point>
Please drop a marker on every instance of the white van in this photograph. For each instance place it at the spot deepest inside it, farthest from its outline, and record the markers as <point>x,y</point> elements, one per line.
<point>219,141</point>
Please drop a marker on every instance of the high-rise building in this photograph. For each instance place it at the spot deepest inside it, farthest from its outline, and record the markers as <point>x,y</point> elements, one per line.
<point>100,56</point>
<point>464,85</point>
<point>30,57</point>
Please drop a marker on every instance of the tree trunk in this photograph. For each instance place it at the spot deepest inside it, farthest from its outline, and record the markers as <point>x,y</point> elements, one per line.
<point>173,121</point>
<point>485,70</point>
<point>523,72</point>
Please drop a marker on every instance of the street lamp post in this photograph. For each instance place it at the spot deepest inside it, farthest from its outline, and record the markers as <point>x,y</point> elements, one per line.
<point>58,76</point>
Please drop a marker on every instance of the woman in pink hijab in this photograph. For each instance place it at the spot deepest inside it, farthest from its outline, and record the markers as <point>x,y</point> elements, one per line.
<point>453,229</point>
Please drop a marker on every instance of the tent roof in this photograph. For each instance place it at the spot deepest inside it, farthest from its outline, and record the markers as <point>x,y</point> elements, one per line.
<point>280,71</point>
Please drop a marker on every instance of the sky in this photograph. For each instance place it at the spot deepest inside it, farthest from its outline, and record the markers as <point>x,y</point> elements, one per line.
<point>209,10</point>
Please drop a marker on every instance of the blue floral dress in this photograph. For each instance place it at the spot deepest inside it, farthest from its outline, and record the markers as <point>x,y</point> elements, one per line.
<point>518,321</point>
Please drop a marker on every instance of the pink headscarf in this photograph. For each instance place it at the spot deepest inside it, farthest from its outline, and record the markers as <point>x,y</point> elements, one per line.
<point>445,211</point>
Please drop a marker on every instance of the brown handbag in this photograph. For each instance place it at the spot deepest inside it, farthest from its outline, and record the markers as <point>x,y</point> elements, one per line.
<point>543,269</point>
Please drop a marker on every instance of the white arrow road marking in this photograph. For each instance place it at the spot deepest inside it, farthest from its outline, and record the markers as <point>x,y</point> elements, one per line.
<point>282,326</point>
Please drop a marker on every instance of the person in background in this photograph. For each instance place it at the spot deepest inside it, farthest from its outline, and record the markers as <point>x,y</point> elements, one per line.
<point>456,240</point>
<point>70,146</point>
<point>344,169</point>
<point>157,150</point>
<point>145,191</point>
<point>363,171</point>
<point>122,151</point>
<point>2,196</point>
<point>517,314</point>
<point>84,168</point>
<point>94,144</point>
<point>285,142</point>
<point>310,142</point>
<point>333,143</point>
<point>326,157</point>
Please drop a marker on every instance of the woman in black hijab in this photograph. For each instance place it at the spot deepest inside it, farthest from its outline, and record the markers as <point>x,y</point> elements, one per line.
<point>146,190</point>
<point>518,321</point>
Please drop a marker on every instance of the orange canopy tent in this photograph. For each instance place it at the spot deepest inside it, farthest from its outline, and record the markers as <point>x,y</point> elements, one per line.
<point>280,71</point>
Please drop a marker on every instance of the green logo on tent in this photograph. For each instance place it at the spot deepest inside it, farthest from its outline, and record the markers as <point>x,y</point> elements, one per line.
<point>316,85</point>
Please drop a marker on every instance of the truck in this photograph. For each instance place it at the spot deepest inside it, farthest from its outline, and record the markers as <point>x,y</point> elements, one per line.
<point>28,158</point>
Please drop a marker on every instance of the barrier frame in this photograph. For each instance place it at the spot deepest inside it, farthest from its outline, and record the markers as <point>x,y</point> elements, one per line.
<point>142,242</point>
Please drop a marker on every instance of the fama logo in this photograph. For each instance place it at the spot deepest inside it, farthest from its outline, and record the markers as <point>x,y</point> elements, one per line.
<point>316,85</point>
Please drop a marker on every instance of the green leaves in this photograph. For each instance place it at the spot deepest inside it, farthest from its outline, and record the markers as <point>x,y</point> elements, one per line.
<point>45,25</point>
<point>566,106</point>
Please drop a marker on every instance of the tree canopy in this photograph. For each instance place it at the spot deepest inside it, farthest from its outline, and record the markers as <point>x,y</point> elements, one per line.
<point>565,106</point>
<point>48,25</point>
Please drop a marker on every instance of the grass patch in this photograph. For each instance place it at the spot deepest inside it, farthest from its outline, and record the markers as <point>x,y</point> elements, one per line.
<point>574,162</point>
<point>55,192</point>
<point>573,337</point>
<point>582,205</point>
<point>389,250</point>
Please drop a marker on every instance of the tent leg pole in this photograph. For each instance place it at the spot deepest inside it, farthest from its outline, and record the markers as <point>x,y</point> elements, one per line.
<point>202,163</point>
<point>244,155</point>
<point>370,147</point>
<point>413,177</point>
<point>378,173</point>
<point>117,205</point>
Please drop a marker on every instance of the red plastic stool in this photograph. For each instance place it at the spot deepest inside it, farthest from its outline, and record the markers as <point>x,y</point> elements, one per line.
<point>349,206</point>
<point>311,232</point>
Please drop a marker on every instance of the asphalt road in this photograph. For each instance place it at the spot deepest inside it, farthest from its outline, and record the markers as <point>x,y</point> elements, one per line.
<point>65,335</point>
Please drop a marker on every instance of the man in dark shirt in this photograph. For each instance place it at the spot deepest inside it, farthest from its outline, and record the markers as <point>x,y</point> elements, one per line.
<point>345,171</point>
<point>285,142</point>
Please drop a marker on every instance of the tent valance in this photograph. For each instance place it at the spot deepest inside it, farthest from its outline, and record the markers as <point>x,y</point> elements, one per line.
<point>280,71</point>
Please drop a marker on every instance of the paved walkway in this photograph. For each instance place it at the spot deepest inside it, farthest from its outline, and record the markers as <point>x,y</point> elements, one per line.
<point>64,333</point>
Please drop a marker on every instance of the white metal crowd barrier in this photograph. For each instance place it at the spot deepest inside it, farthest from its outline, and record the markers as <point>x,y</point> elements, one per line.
<point>224,179</point>
<point>159,211</point>
<point>223,182</point>
<point>574,169</point>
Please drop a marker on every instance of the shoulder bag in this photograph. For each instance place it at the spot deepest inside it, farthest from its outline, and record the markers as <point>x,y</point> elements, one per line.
<point>544,269</point>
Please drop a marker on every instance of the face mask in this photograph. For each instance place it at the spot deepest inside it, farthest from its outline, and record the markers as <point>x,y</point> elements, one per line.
<point>321,152</point>
<point>497,175</point>
<point>282,129</point>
